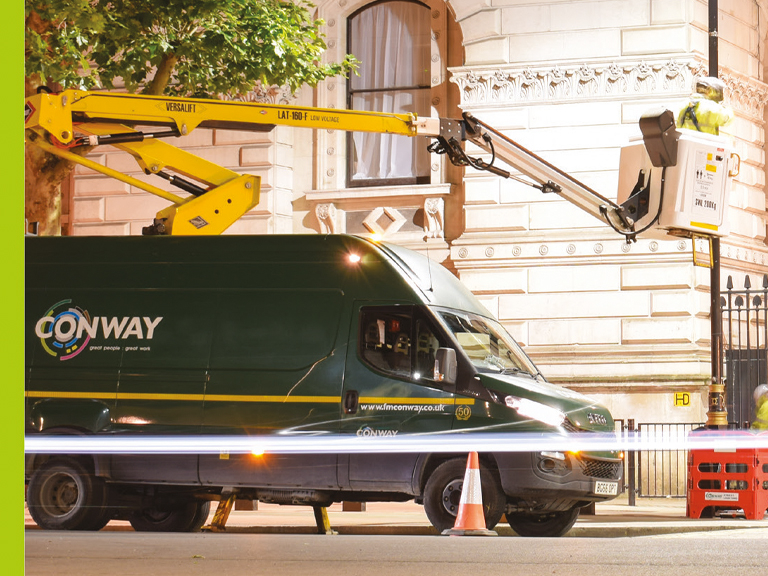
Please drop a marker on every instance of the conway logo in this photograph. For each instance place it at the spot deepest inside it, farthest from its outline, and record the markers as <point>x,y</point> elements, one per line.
<point>65,330</point>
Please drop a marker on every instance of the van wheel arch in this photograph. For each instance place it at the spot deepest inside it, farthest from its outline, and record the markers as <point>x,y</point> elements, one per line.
<point>442,491</point>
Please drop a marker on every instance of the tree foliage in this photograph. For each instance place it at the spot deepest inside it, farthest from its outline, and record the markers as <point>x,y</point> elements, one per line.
<point>177,47</point>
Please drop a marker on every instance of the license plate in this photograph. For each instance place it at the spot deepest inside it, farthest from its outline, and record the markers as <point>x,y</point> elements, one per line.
<point>607,488</point>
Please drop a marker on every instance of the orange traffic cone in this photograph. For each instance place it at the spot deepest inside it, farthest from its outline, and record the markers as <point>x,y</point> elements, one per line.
<point>470,521</point>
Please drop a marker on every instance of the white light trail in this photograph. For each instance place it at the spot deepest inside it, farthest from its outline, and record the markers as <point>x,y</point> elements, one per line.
<point>346,444</point>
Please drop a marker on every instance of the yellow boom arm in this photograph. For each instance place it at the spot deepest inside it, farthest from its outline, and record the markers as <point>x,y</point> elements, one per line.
<point>219,196</point>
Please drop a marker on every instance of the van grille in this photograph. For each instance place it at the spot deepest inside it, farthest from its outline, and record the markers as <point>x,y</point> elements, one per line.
<point>600,469</point>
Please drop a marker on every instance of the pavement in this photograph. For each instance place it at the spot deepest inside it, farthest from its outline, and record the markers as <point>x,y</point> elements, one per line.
<point>650,516</point>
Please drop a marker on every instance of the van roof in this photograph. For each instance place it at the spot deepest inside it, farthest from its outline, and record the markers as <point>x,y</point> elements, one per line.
<point>141,262</point>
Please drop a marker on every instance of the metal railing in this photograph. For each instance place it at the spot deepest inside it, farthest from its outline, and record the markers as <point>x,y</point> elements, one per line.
<point>745,347</point>
<point>656,473</point>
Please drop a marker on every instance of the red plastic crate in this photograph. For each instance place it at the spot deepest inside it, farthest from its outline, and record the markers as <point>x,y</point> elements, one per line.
<point>727,480</point>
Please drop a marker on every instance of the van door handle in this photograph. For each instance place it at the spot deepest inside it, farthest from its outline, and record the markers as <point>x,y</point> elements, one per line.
<point>350,402</point>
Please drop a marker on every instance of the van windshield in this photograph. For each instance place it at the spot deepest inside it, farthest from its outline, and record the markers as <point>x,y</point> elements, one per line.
<point>487,344</point>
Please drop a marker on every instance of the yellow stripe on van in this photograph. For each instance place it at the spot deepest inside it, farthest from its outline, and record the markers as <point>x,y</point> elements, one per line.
<point>387,400</point>
<point>247,398</point>
<point>88,395</point>
<point>148,396</point>
<point>240,398</point>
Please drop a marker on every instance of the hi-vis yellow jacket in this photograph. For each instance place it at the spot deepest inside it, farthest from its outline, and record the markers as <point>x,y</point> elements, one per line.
<point>704,115</point>
<point>761,414</point>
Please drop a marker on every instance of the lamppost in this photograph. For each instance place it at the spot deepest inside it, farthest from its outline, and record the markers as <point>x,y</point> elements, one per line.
<point>717,415</point>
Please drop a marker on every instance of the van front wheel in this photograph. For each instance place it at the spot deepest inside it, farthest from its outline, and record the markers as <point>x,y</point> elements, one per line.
<point>442,494</point>
<point>549,525</point>
<point>180,517</point>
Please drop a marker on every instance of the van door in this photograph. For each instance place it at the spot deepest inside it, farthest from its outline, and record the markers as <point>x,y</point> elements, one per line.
<point>273,370</point>
<point>389,389</point>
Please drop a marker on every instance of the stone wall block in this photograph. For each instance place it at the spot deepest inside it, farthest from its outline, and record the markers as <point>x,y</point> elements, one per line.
<point>656,277</point>
<point>654,40</point>
<point>560,215</point>
<point>99,186</point>
<point>657,331</point>
<point>238,137</point>
<point>526,19</point>
<point>578,114</point>
<point>566,332</point>
<point>481,25</point>
<point>672,303</point>
<point>495,281</point>
<point>600,14</point>
<point>491,303</point>
<point>573,305</point>
<point>578,45</point>
<point>490,51</point>
<point>134,207</point>
<point>463,10</point>
<point>89,209</point>
<point>106,229</point>
<point>257,155</point>
<point>250,225</point>
<point>518,331</point>
<point>479,218</point>
<point>81,170</point>
<point>482,190</point>
<point>122,162</point>
<point>226,156</point>
<point>197,138</point>
<point>668,11</point>
<point>571,278</point>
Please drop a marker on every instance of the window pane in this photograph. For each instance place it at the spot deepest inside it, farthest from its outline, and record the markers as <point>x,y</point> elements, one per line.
<point>392,42</point>
<point>380,156</point>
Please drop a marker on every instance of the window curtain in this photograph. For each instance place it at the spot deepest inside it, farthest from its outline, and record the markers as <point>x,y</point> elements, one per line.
<point>392,41</point>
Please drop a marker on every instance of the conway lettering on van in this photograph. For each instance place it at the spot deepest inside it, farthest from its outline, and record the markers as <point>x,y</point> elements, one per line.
<point>65,330</point>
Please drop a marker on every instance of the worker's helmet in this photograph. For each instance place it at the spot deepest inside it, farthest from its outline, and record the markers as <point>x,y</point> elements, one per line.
<point>760,391</point>
<point>711,88</point>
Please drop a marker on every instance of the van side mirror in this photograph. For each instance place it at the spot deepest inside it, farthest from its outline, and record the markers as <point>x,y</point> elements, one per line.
<point>445,365</point>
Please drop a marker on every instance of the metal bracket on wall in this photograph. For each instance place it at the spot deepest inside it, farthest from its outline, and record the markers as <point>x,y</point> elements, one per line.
<point>703,263</point>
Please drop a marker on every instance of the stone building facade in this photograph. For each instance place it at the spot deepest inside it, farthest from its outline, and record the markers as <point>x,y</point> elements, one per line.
<point>568,79</point>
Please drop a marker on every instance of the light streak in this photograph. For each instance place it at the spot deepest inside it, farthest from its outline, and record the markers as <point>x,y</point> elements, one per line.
<point>401,443</point>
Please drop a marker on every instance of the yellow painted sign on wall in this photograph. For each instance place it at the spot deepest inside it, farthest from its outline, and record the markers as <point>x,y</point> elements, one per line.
<point>682,399</point>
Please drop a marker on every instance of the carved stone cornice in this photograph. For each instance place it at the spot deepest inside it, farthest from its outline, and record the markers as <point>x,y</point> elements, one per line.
<point>481,86</point>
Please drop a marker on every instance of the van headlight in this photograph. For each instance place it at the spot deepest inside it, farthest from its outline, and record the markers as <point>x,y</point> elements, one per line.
<point>536,410</point>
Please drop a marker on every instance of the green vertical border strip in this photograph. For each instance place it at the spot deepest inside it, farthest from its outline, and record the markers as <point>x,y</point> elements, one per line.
<point>12,328</point>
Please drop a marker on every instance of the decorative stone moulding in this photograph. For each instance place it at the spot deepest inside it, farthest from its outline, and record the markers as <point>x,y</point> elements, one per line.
<point>483,86</point>
<point>434,214</point>
<point>327,216</point>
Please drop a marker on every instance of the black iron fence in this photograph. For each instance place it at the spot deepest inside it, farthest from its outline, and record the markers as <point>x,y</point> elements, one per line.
<point>656,473</point>
<point>745,347</point>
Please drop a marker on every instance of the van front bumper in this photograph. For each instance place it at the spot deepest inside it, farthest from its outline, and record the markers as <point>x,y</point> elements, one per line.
<point>536,479</point>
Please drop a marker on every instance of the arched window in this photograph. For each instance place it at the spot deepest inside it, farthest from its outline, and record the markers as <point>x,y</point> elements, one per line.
<point>392,41</point>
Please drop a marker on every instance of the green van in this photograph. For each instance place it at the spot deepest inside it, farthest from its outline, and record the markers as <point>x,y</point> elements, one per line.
<point>294,334</point>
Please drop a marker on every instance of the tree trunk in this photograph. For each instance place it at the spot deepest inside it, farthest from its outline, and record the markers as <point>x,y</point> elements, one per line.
<point>43,174</point>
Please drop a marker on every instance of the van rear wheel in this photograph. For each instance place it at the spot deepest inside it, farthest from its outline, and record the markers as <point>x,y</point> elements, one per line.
<point>550,525</point>
<point>63,495</point>
<point>178,517</point>
<point>442,494</point>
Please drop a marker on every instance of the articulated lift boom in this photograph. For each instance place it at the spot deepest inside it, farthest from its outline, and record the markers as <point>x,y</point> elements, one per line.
<point>219,196</point>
